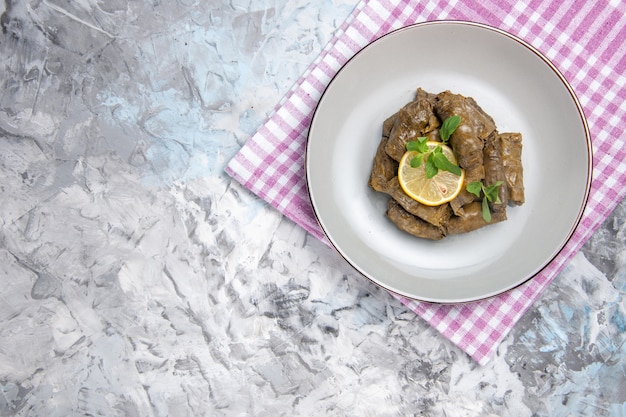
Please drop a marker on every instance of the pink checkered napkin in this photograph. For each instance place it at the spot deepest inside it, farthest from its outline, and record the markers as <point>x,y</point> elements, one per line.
<point>586,41</point>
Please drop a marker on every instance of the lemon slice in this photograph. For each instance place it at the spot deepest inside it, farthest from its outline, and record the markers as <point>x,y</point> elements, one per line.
<point>435,191</point>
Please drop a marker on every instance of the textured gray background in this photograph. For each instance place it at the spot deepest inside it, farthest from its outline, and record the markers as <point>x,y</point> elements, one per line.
<point>137,279</point>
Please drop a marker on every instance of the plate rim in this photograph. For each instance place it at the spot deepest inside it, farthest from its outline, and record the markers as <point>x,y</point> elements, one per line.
<point>588,142</point>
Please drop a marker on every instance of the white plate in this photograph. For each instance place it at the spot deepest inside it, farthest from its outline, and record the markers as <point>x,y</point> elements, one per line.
<point>513,83</point>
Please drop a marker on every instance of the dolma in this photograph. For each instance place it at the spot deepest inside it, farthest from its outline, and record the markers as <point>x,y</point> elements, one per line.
<point>511,151</point>
<point>472,219</point>
<point>412,224</point>
<point>435,215</point>
<point>476,119</point>
<point>469,137</point>
<point>384,168</point>
<point>464,197</point>
<point>467,140</point>
<point>484,154</point>
<point>494,170</point>
<point>413,120</point>
<point>383,178</point>
<point>432,129</point>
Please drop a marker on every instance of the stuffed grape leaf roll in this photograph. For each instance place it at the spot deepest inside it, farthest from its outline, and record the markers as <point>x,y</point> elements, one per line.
<point>384,168</point>
<point>412,224</point>
<point>494,170</point>
<point>435,215</point>
<point>469,137</point>
<point>472,219</point>
<point>413,120</point>
<point>511,150</point>
<point>485,155</point>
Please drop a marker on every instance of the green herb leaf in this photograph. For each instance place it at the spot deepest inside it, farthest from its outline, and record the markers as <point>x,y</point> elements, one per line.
<point>486,212</point>
<point>431,168</point>
<point>434,159</point>
<point>491,192</point>
<point>418,145</point>
<point>443,163</point>
<point>475,188</point>
<point>491,196</point>
<point>449,126</point>
<point>416,161</point>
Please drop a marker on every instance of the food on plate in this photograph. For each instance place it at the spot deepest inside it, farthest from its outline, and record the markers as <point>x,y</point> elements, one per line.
<point>431,191</point>
<point>413,224</point>
<point>445,167</point>
<point>511,150</point>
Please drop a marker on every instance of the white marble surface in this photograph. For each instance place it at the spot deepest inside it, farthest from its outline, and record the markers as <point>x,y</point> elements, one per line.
<point>139,280</point>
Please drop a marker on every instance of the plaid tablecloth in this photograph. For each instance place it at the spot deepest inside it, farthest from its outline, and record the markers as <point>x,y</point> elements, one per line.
<point>586,41</point>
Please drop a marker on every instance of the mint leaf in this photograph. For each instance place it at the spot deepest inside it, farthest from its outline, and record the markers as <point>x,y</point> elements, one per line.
<point>435,159</point>
<point>449,126</point>
<point>416,161</point>
<point>475,188</point>
<point>491,195</point>
<point>443,163</point>
<point>486,212</point>
<point>418,145</point>
<point>431,168</point>
<point>491,192</point>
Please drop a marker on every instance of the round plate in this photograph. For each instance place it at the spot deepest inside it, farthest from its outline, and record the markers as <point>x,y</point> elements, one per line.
<point>513,83</point>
